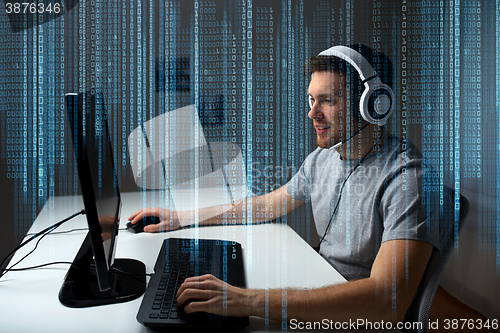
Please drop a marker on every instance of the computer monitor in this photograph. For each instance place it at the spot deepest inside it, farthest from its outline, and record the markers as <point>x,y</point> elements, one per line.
<point>96,277</point>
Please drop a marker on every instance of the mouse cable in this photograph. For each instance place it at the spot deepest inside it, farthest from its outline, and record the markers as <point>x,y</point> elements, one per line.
<point>44,233</point>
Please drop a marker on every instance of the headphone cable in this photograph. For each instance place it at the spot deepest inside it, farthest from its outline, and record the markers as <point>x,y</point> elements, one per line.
<point>340,194</point>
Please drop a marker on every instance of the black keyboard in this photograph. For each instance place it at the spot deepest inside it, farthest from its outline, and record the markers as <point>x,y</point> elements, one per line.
<point>181,258</point>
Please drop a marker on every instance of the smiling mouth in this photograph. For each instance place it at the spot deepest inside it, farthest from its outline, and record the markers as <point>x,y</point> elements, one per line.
<point>320,129</point>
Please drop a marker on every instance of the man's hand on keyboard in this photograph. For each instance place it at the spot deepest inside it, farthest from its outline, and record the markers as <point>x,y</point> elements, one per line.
<point>206,293</point>
<point>169,219</point>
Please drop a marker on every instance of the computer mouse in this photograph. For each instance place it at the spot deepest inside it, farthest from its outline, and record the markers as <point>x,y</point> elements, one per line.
<point>139,226</point>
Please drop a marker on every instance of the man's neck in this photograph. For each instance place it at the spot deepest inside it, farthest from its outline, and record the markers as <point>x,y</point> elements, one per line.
<point>362,144</point>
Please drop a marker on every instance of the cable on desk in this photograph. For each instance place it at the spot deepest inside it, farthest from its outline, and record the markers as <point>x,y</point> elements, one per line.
<point>72,230</point>
<point>117,270</point>
<point>44,233</point>
<point>63,232</point>
<point>70,263</point>
<point>38,266</point>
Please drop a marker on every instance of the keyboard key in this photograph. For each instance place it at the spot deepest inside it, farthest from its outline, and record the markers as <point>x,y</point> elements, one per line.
<point>153,315</point>
<point>174,315</point>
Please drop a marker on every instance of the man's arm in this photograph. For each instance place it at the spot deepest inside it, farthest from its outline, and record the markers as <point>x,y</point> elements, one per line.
<point>264,208</point>
<point>395,276</point>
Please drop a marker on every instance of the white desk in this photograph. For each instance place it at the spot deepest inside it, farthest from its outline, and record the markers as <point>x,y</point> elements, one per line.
<point>275,256</point>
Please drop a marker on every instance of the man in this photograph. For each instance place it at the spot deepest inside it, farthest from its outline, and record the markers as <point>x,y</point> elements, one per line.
<point>365,190</point>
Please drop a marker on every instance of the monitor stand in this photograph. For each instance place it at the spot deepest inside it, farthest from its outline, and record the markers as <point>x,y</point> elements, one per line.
<point>81,289</point>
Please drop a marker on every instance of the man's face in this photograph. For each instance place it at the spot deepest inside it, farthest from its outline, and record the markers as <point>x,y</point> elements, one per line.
<point>328,94</point>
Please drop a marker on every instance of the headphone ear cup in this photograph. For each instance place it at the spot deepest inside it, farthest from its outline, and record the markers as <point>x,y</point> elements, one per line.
<point>377,103</point>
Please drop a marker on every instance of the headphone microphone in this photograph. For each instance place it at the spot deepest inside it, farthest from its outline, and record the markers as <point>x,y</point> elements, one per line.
<point>352,136</point>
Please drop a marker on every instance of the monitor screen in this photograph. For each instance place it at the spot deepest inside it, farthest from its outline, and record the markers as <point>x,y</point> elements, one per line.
<point>101,167</point>
<point>96,277</point>
<point>92,145</point>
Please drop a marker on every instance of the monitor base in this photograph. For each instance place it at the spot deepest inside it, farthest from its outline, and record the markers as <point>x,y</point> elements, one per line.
<point>81,289</point>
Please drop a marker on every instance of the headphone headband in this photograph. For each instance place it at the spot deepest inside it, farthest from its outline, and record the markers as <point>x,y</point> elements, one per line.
<point>353,57</point>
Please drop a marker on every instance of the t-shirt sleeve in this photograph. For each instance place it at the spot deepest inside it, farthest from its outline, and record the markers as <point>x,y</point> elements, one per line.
<point>297,187</point>
<point>407,211</point>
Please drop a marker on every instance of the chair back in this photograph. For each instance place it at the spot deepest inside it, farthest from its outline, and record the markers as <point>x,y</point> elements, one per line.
<point>451,218</point>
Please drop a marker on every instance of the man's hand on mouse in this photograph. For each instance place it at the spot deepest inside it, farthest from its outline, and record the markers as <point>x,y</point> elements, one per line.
<point>169,219</point>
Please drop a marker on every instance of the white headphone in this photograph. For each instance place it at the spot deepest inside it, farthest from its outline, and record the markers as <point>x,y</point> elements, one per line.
<point>377,101</point>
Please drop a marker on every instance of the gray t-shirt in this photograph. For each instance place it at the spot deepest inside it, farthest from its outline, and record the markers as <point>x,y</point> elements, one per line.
<point>382,200</point>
